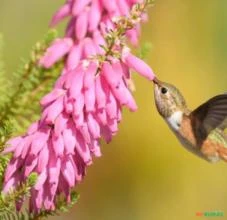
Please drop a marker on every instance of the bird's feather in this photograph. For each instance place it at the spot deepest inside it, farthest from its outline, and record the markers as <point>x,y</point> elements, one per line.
<point>211,114</point>
<point>223,125</point>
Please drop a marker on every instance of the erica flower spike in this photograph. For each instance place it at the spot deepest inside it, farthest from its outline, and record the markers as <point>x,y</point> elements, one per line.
<point>86,102</point>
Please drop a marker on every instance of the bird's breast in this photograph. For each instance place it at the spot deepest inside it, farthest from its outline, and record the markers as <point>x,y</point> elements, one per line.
<point>181,125</point>
<point>187,137</point>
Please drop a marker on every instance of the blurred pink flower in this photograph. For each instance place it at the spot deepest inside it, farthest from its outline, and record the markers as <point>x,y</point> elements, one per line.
<point>89,22</point>
<point>58,49</point>
<point>84,105</point>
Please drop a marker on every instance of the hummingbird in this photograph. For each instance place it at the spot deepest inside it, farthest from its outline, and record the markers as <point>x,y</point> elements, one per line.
<point>201,131</point>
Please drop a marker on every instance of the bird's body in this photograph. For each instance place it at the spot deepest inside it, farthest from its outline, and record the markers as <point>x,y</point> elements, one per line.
<point>211,149</point>
<point>200,131</point>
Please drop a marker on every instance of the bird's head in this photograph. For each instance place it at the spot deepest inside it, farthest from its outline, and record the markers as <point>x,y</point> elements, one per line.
<point>168,98</point>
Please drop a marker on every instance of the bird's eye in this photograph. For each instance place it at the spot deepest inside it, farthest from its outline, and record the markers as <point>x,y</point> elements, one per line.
<point>164,90</point>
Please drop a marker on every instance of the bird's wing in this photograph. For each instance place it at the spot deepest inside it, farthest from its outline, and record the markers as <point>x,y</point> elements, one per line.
<point>211,114</point>
<point>223,125</point>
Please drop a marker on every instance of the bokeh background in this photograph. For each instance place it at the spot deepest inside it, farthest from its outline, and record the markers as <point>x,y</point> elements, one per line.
<point>144,173</point>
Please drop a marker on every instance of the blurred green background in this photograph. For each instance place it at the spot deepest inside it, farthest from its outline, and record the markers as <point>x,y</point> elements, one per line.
<point>144,173</point>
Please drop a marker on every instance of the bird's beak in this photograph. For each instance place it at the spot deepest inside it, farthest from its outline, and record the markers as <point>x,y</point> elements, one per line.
<point>157,81</point>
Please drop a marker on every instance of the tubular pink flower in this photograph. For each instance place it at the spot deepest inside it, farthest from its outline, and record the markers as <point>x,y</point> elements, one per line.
<point>62,13</point>
<point>110,6</point>
<point>94,16</point>
<point>74,57</point>
<point>58,49</point>
<point>82,25</point>
<point>84,106</point>
<point>79,6</point>
<point>138,65</point>
<point>123,7</point>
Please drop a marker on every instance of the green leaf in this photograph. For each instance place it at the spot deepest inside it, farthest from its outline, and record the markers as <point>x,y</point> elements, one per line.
<point>30,82</point>
<point>144,50</point>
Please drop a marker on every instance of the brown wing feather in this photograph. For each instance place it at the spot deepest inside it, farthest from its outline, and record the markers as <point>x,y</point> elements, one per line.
<point>211,114</point>
<point>223,125</point>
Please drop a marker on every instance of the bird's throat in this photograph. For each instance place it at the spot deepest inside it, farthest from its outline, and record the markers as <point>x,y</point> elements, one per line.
<point>175,120</point>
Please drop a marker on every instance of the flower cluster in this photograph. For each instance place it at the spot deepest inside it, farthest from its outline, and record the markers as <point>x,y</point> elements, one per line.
<point>90,21</point>
<point>86,101</point>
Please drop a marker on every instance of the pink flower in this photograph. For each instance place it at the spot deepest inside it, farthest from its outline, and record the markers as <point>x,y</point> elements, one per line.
<point>58,49</point>
<point>84,106</point>
<point>88,18</point>
<point>138,65</point>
